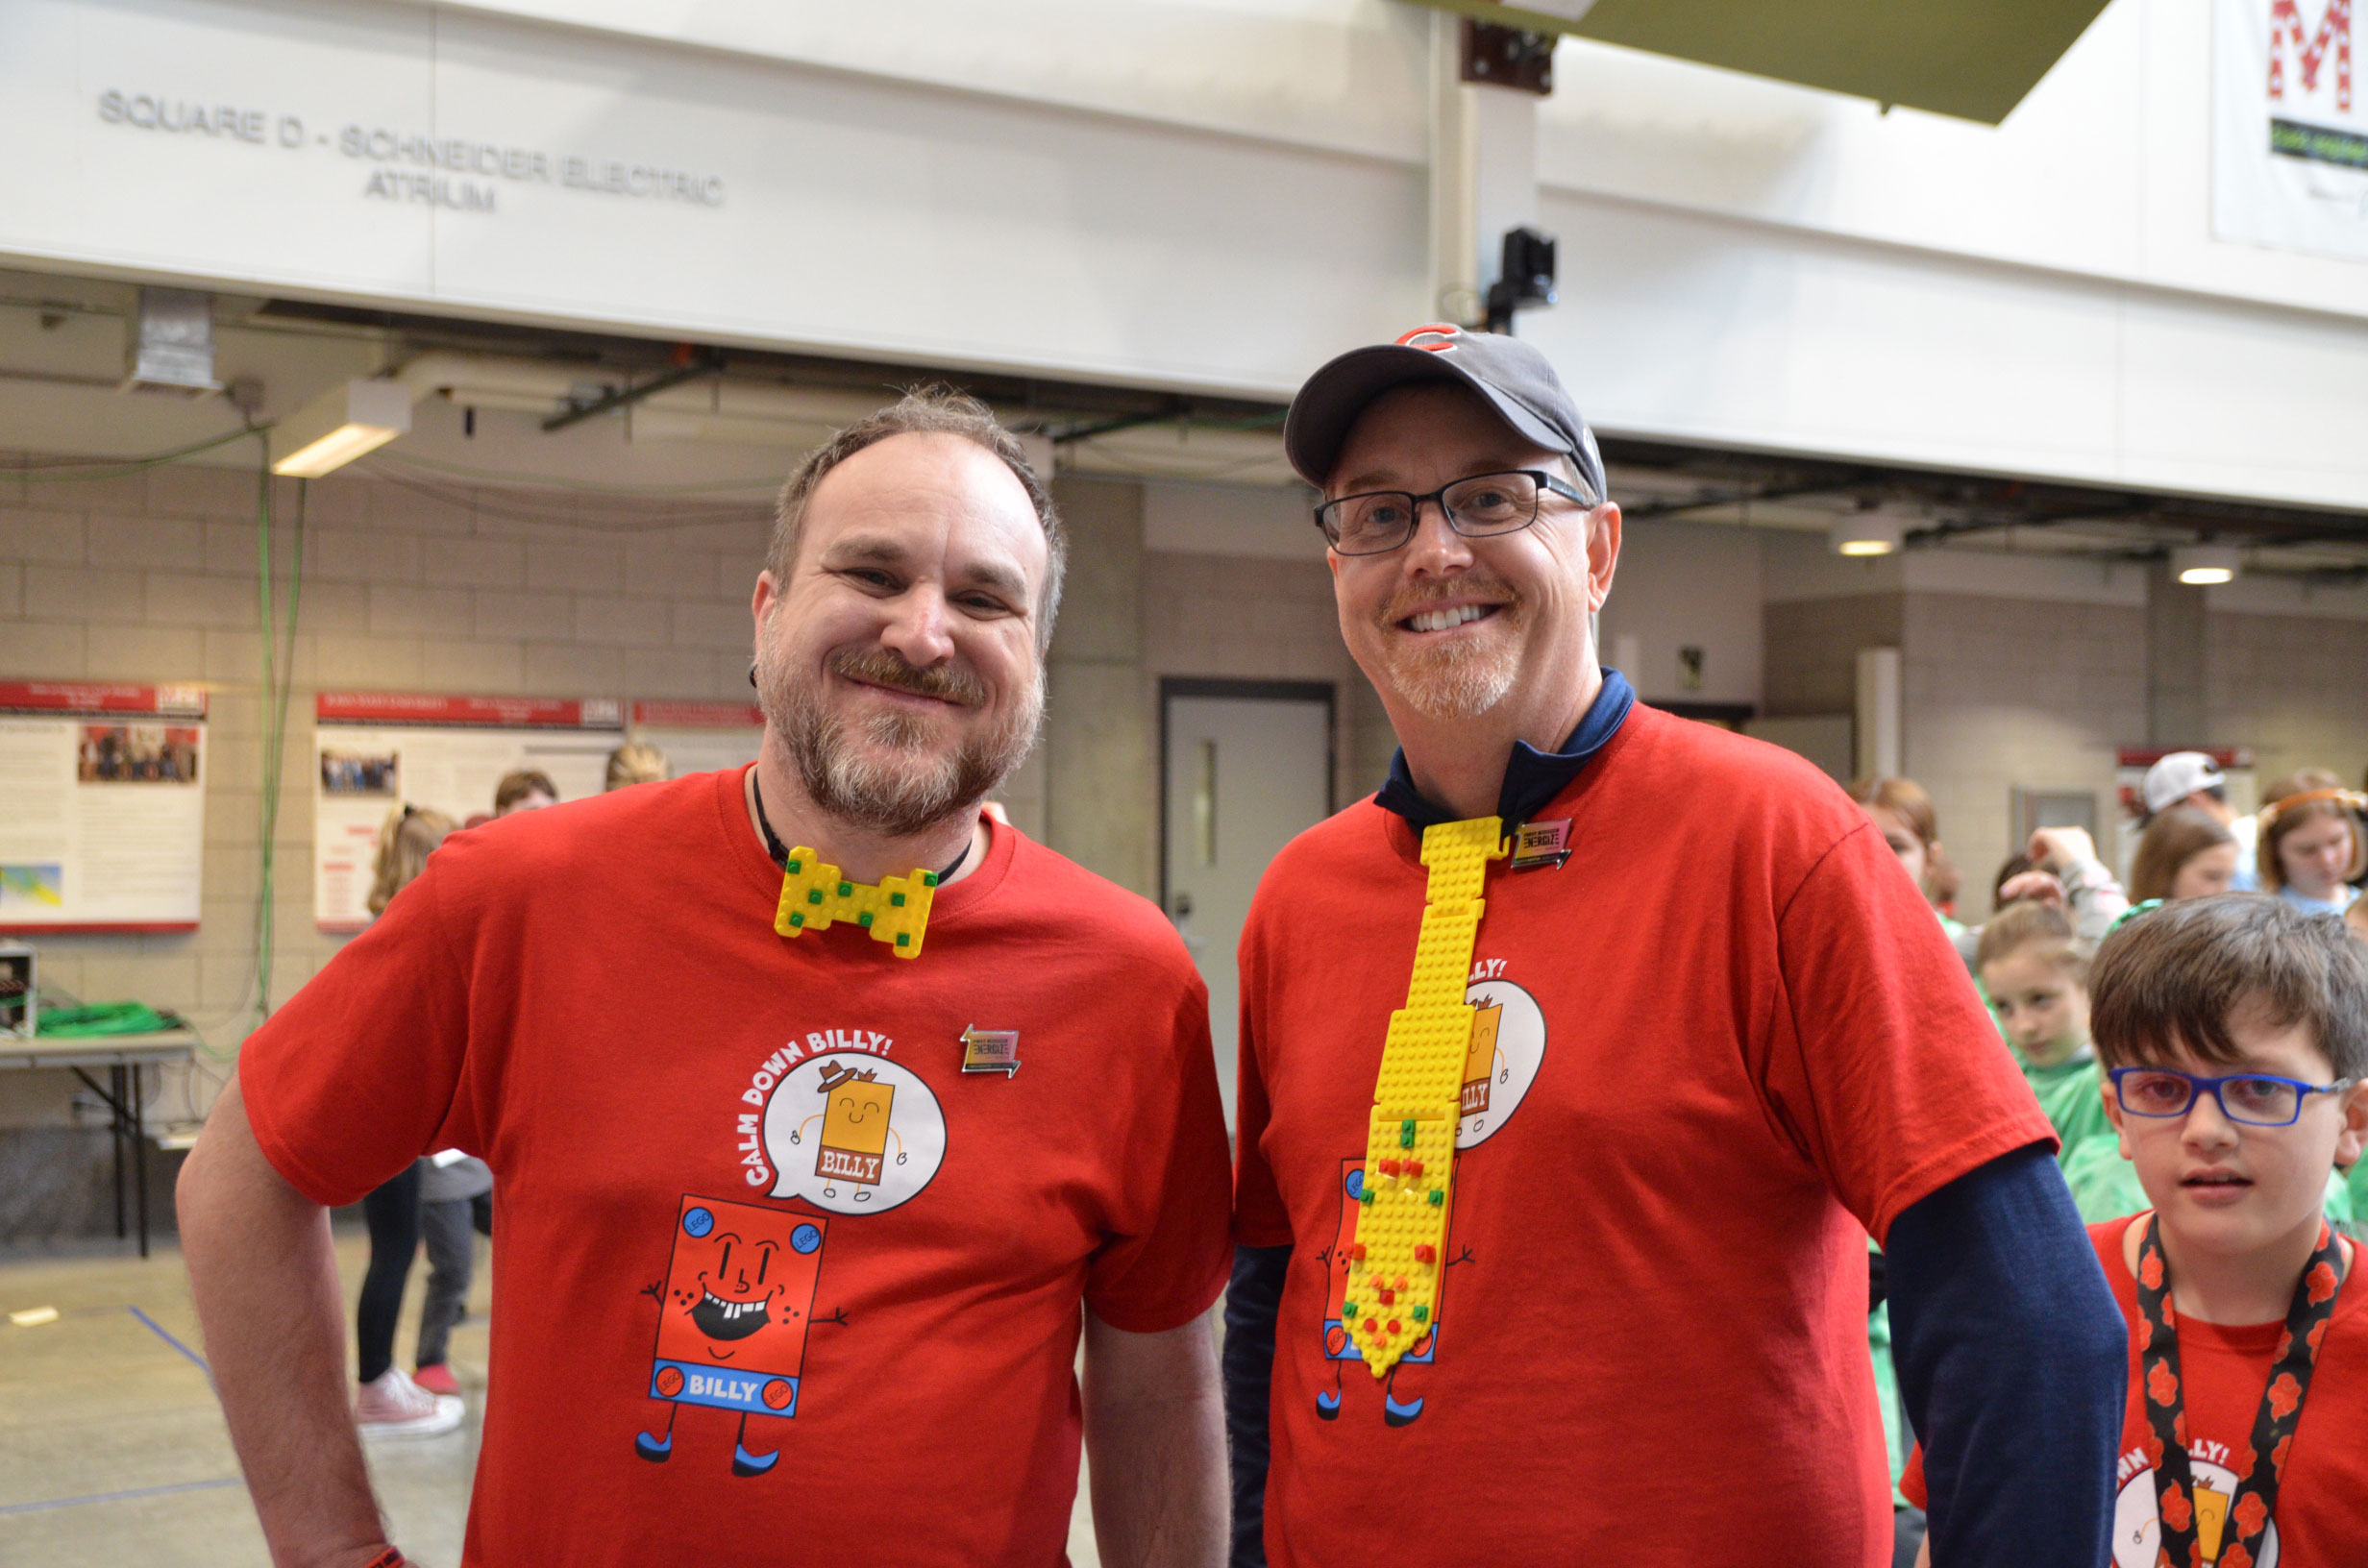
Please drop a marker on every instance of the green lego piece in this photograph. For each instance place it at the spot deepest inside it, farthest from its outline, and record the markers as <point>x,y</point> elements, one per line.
<point>928,879</point>
<point>1423,1315</point>
<point>814,895</point>
<point>1349,1308</point>
<point>847,889</point>
<point>904,939</point>
<point>864,919</point>
<point>792,868</point>
<point>798,921</point>
<point>1437,1197</point>
<point>895,900</point>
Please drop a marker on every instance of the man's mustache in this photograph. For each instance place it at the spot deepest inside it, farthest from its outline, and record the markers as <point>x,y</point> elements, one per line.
<point>885,667</point>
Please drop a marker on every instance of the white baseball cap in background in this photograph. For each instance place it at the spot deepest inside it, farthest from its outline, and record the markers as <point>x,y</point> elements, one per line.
<point>2178,775</point>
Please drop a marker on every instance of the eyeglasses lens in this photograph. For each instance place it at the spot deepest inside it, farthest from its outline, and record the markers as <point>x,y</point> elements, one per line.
<point>1494,502</point>
<point>2261,1102</point>
<point>1368,525</point>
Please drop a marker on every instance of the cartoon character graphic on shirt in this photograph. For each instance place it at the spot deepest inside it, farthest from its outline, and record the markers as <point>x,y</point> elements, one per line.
<point>734,1312</point>
<point>830,1124</point>
<point>1508,1045</point>
<point>2138,1524</point>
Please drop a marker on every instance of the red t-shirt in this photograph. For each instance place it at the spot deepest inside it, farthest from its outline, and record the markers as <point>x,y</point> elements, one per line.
<point>2322,1516</point>
<point>745,1196</point>
<point>1725,1042</point>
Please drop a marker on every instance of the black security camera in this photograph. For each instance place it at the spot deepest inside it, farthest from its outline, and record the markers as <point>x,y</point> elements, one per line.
<point>1525,278</point>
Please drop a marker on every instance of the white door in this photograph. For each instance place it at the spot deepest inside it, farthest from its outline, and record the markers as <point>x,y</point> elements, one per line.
<point>1245,774</point>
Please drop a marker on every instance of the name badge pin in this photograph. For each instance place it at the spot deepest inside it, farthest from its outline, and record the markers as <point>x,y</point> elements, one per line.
<point>1540,844</point>
<point>991,1050</point>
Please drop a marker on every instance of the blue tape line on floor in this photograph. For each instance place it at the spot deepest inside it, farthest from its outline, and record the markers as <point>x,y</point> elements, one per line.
<point>120,1497</point>
<point>157,1329</point>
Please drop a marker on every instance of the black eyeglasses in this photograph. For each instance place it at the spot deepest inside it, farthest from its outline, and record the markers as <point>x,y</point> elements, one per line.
<point>2257,1099</point>
<point>1380,521</point>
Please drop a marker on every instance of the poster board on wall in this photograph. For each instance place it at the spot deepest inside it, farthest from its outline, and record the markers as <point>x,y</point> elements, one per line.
<point>102,806</point>
<point>375,753</point>
<point>2289,133</point>
<point>700,737</point>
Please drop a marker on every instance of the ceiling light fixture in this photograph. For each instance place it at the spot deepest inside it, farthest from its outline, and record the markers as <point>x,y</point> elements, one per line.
<point>2201,566</point>
<point>1877,533</point>
<point>341,425</point>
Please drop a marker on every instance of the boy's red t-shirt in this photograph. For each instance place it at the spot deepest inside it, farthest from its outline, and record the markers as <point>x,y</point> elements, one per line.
<point>745,1196</point>
<point>2321,1517</point>
<point>1724,1042</point>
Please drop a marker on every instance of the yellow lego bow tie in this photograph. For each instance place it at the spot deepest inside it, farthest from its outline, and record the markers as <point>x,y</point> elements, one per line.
<point>1396,1262</point>
<point>813,895</point>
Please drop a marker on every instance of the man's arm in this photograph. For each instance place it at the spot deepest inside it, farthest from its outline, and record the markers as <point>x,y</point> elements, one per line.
<point>1155,1446</point>
<point>2012,1361</point>
<point>1252,1304</point>
<point>266,1284</point>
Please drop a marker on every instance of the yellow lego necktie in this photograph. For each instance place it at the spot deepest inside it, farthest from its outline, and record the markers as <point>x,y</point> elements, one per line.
<point>1396,1261</point>
<point>813,895</point>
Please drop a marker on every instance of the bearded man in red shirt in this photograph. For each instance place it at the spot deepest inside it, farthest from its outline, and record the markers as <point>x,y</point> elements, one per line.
<point>1577,1067</point>
<point>825,1112</point>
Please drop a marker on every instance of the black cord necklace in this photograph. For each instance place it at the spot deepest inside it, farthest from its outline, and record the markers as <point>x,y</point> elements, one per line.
<point>780,852</point>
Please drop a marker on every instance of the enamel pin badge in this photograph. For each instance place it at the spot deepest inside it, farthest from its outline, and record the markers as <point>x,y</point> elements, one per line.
<point>991,1050</point>
<point>1540,844</point>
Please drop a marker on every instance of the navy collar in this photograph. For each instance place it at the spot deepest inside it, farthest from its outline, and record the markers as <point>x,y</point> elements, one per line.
<point>1532,778</point>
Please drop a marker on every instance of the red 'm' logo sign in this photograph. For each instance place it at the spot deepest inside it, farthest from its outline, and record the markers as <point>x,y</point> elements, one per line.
<point>2333,34</point>
<point>1436,330</point>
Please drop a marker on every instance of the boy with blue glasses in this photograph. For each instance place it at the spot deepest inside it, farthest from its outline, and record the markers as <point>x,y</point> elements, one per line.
<point>2234,1034</point>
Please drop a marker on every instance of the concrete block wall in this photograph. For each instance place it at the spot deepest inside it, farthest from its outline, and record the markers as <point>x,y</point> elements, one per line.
<point>2003,692</point>
<point>152,578</point>
<point>2292,687</point>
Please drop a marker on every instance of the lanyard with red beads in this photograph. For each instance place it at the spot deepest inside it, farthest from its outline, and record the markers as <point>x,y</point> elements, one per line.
<point>2256,1501</point>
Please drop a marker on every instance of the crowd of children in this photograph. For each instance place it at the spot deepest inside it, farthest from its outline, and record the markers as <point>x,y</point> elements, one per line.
<point>2203,1057</point>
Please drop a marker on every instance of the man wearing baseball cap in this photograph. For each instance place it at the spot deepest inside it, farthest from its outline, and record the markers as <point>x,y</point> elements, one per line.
<point>1579,1064</point>
<point>2192,778</point>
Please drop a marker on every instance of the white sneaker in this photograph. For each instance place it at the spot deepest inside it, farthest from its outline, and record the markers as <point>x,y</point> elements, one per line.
<point>396,1407</point>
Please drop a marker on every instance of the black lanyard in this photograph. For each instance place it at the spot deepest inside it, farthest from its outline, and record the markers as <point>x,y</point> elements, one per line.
<point>780,852</point>
<point>2256,1501</point>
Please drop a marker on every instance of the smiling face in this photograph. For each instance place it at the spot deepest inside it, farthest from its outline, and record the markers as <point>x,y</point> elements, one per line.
<point>2225,1187</point>
<point>2041,1004</point>
<point>899,664</point>
<point>2314,856</point>
<point>1453,628</point>
<point>740,1286</point>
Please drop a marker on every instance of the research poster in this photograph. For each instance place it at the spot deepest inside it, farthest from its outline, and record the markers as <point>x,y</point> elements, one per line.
<point>377,752</point>
<point>102,806</point>
<point>2290,138</point>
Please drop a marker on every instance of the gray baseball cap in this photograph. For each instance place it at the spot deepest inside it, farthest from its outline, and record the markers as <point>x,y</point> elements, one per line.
<point>1517,381</point>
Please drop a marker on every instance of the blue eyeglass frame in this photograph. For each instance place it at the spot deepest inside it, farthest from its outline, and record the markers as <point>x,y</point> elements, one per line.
<point>2212,1086</point>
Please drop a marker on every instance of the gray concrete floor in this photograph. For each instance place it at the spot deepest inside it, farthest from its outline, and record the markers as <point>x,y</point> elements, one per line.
<point>112,1449</point>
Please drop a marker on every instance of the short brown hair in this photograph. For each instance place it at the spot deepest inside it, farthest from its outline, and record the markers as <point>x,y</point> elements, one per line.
<point>2026,923</point>
<point>2171,839</point>
<point>1904,798</point>
<point>924,411</point>
<point>517,785</point>
<point>2177,974</point>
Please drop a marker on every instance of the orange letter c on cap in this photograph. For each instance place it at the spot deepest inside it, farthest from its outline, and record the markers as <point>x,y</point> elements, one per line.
<point>1440,330</point>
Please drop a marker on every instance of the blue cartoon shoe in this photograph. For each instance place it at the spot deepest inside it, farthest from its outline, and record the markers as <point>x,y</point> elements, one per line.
<point>746,1463</point>
<point>1397,1414</point>
<point>1328,1406</point>
<point>657,1450</point>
